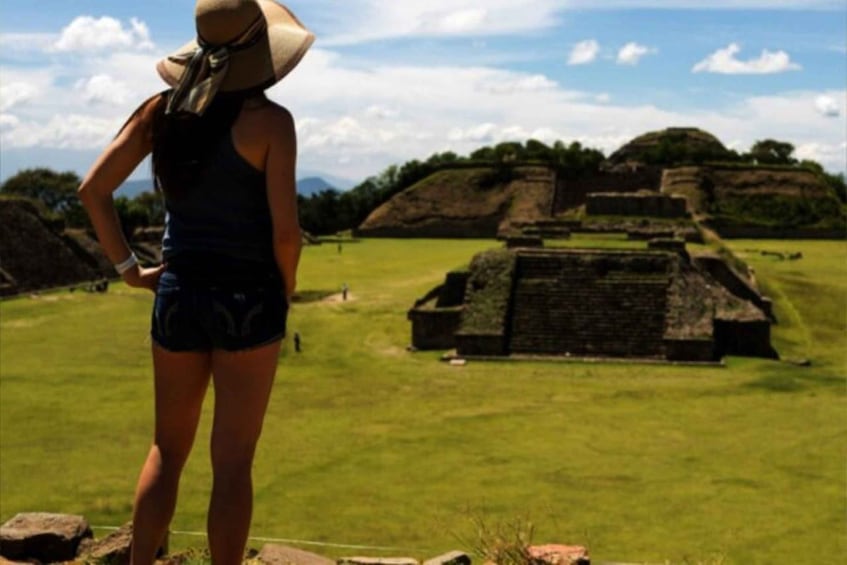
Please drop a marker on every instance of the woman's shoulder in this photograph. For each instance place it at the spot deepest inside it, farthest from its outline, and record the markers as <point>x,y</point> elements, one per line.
<point>267,112</point>
<point>266,122</point>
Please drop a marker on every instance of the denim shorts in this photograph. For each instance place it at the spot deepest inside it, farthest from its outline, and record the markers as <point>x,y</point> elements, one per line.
<point>226,309</point>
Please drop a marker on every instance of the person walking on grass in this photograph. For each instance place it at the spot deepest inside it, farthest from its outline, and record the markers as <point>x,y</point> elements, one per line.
<point>224,158</point>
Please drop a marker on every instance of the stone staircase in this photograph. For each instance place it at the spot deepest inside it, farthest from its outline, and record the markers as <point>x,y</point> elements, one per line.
<point>590,304</point>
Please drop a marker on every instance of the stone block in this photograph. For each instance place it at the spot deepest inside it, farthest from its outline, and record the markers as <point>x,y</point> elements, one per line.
<point>115,548</point>
<point>452,558</point>
<point>556,554</point>
<point>43,536</point>
<point>524,241</point>
<point>377,561</point>
<point>274,554</point>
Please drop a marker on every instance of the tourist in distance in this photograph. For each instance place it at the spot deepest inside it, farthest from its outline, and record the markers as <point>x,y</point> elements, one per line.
<point>224,157</point>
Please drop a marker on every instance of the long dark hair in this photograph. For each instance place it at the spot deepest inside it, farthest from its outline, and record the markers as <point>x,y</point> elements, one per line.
<point>183,142</point>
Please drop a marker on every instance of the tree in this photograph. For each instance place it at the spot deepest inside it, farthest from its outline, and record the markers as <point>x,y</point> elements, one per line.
<point>508,151</point>
<point>835,182</point>
<point>839,186</point>
<point>538,150</point>
<point>483,154</point>
<point>131,214</point>
<point>772,152</point>
<point>56,190</point>
<point>153,206</point>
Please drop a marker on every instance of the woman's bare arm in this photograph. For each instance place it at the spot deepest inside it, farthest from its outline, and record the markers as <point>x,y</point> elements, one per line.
<point>280,173</point>
<point>111,169</point>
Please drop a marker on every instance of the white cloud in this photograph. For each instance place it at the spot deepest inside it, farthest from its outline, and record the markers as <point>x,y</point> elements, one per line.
<point>454,108</point>
<point>21,42</point>
<point>372,20</point>
<point>8,121</point>
<point>14,93</point>
<point>482,133</point>
<point>342,133</point>
<point>355,119</point>
<point>529,83</point>
<point>827,106</point>
<point>70,131</point>
<point>723,61</point>
<point>86,33</point>
<point>826,153</point>
<point>142,34</point>
<point>50,114</point>
<point>787,116</point>
<point>584,52</point>
<point>709,4</point>
<point>631,53</point>
<point>103,88</point>
<point>380,112</point>
<point>458,22</point>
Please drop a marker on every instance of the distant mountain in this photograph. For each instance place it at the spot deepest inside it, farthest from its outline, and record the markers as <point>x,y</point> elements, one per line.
<point>306,186</point>
<point>133,188</point>
<point>333,181</point>
<point>312,185</point>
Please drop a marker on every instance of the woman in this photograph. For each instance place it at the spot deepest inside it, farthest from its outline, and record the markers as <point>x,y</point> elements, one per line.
<point>224,157</point>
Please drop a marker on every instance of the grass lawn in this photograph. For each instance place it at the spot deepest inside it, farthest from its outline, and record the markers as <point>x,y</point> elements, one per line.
<point>366,443</point>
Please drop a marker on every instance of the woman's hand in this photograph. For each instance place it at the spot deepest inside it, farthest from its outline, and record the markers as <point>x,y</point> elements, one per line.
<point>140,277</point>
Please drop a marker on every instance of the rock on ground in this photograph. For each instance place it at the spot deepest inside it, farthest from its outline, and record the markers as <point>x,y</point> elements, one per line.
<point>452,558</point>
<point>43,536</point>
<point>272,554</point>
<point>377,561</point>
<point>555,554</point>
<point>114,548</point>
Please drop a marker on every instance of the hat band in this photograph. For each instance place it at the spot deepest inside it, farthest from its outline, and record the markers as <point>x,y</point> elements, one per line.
<point>206,67</point>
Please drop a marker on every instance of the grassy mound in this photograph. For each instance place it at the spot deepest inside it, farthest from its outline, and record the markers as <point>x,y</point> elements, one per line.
<point>764,196</point>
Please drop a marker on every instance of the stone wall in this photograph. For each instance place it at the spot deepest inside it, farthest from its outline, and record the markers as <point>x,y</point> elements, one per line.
<point>453,290</point>
<point>572,192</point>
<point>480,227</point>
<point>654,205</point>
<point>733,282</point>
<point>744,337</point>
<point>437,316</point>
<point>462,203</point>
<point>696,350</point>
<point>656,304</point>
<point>764,232</point>
<point>33,255</point>
<point>435,329</point>
<point>590,303</point>
<point>480,345</point>
<point>488,297</point>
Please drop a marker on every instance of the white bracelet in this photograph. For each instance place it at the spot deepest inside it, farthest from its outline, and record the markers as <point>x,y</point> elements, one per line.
<point>126,265</point>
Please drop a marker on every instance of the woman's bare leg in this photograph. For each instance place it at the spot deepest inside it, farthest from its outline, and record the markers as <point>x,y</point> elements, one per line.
<point>181,380</point>
<point>243,382</point>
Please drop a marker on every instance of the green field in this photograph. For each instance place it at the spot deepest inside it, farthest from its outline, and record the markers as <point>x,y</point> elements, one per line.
<point>366,443</point>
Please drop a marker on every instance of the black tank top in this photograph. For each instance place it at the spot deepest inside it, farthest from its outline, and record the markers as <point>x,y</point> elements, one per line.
<point>224,213</point>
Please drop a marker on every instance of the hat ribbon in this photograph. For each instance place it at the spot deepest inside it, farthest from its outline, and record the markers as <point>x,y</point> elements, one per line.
<point>206,66</point>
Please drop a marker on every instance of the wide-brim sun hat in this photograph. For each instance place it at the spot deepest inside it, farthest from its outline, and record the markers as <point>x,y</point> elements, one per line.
<point>240,45</point>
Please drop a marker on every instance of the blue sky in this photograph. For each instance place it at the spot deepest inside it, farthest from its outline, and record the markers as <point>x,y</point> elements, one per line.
<point>387,82</point>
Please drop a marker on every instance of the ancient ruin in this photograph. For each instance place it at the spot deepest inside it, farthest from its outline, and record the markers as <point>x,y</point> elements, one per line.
<point>36,254</point>
<point>655,303</point>
<point>642,203</point>
<point>628,193</point>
